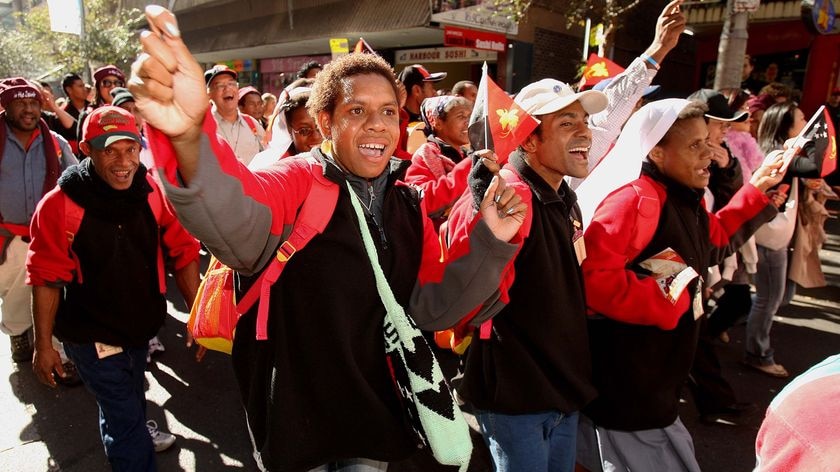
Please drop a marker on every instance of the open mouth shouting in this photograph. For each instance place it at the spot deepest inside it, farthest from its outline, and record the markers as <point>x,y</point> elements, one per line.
<point>372,150</point>
<point>580,152</point>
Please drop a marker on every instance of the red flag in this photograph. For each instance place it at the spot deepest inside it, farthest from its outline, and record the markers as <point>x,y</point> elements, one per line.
<point>599,68</point>
<point>825,143</point>
<point>497,122</point>
<point>363,46</point>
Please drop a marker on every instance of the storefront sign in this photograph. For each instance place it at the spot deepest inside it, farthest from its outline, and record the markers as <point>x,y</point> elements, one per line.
<point>824,16</point>
<point>820,16</point>
<point>460,37</point>
<point>480,16</point>
<point>339,47</point>
<point>428,55</point>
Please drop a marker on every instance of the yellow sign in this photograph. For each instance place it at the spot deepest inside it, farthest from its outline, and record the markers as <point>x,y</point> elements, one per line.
<point>339,47</point>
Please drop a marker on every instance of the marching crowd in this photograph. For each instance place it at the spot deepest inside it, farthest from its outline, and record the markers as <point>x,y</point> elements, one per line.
<point>569,289</point>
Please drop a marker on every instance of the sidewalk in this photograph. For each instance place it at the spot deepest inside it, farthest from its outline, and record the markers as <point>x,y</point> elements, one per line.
<point>804,333</point>
<point>58,430</point>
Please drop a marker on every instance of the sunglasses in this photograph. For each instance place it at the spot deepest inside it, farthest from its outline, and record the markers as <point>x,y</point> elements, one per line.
<point>306,132</point>
<point>113,83</point>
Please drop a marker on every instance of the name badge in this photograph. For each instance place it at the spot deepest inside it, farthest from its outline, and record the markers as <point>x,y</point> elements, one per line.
<point>577,241</point>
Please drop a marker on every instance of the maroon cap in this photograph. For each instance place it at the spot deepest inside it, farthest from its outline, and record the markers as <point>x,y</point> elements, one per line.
<point>760,103</point>
<point>105,71</point>
<point>17,88</point>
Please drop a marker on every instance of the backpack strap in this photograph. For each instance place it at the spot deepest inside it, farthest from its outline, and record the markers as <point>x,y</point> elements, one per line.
<point>252,123</point>
<point>73,214</point>
<point>156,204</point>
<point>315,213</point>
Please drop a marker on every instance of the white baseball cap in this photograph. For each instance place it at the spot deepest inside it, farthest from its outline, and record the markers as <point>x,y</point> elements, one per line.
<point>549,95</point>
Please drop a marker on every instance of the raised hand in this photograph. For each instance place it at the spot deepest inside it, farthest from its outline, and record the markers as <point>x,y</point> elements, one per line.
<point>769,174</point>
<point>502,209</point>
<point>167,82</point>
<point>669,26</point>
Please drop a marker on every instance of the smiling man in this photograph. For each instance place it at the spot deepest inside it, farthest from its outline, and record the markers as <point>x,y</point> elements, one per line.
<point>242,132</point>
<point>318,392</point>
<point>644,332</point>
<point>101,289</point>
<point>31,159</point>
<point>529,376</point>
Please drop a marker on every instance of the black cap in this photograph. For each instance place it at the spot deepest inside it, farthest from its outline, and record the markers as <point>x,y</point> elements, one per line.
<point>121,95</point>
<point>718,106</point>
<point>417,74</point>
<point>211,73</point>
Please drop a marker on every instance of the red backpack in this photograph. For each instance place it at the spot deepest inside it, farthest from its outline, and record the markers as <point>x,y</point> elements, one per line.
<point>215,311</point>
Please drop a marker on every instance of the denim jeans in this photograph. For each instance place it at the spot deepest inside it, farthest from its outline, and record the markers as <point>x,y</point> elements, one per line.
<point>117,382</point>
<point>353,465</point>
<point>770,283</point>
<point>537,442</point>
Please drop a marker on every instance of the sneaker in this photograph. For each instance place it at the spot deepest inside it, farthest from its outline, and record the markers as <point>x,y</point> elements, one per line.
<point>71,375</point>
<point>154,346</point>
<point>22,349</point>
<point>162,441</point>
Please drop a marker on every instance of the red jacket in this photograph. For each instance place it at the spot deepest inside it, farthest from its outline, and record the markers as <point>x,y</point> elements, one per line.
<point>49,261</point>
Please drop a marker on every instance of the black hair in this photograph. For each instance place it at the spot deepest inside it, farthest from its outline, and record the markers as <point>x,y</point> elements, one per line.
<point>304,69</point>
<point>774,126</point>
<point>69,80</point>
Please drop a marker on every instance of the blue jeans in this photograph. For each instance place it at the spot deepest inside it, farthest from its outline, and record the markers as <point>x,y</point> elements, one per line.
<point>770,283</point>
<point>535,442</point>
<point>117,383</point>
<point>353,465</point>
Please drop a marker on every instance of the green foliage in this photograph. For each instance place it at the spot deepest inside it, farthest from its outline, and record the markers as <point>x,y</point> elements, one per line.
<point>110,38</point>
<point>576,11</point>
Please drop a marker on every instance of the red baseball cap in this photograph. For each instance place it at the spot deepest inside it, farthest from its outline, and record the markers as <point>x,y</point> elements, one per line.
<point>107,125</point>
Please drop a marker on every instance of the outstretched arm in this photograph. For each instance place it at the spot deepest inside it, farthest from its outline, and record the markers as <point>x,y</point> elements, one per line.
<point>168,87</point>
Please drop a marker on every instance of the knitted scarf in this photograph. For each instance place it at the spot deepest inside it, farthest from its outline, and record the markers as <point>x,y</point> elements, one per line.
<point>433,412</point>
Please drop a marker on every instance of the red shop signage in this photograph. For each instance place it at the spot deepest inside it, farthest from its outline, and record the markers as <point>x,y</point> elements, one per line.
<point>467,38</point>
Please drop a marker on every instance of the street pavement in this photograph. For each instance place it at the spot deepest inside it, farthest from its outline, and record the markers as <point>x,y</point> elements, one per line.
<point>47,429</point>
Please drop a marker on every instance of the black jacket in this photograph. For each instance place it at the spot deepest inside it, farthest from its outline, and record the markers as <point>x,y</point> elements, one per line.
<point>537,357</point>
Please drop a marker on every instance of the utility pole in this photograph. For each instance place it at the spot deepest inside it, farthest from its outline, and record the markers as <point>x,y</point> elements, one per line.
<point>732,48</point>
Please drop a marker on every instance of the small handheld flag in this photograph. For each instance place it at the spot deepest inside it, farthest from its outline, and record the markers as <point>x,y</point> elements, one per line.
<point>820,130</point>
<point>363,47</point>
<point>497,123</point>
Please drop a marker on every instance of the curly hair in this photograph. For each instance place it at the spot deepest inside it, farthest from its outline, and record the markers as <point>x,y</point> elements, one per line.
<point>331,83</point>
<point>776,90</point>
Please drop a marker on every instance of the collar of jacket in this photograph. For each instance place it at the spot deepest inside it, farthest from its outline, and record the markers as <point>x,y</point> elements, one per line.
<point>539,187</point>
<point>673,188</point>
<point>455,153</point>
<point>395,170</point>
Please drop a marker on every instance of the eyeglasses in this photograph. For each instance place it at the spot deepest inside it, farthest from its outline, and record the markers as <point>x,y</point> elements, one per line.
<point>113,83</point>
<point>224,85</point>
<point>306,131</point>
